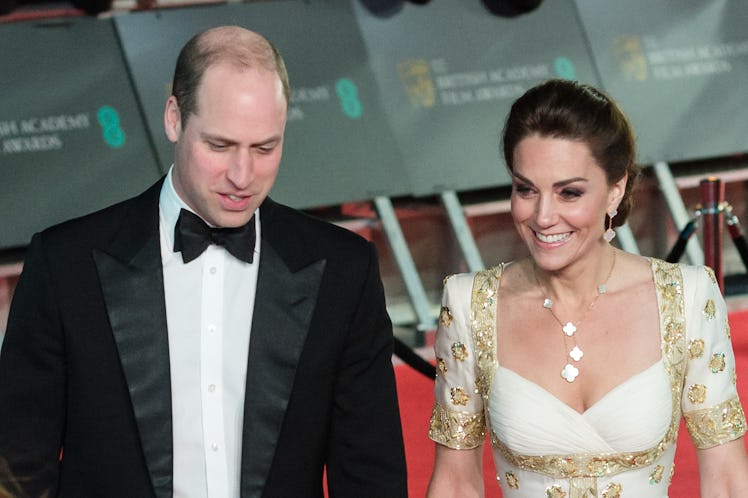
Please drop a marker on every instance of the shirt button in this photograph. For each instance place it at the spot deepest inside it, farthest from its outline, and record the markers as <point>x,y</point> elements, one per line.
<point>214,446</point>
<point>211,328</point>
<point>213,270</point>
<point>212,387</point>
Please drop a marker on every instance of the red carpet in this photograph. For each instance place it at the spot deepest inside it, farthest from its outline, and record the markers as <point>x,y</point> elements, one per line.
<point>416,398</point>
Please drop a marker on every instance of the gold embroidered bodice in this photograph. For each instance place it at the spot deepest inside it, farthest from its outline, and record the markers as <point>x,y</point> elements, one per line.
<point>697,370</point>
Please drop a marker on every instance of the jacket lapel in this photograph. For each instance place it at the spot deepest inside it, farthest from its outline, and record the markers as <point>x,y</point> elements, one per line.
<point>133,288</point>
<point>286,297</point>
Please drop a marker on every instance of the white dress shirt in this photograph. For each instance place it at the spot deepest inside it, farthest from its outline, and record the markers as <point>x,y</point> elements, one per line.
<point>209,305</point>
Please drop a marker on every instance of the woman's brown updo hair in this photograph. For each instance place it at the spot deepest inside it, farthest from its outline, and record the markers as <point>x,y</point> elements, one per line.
<point>574,111</point>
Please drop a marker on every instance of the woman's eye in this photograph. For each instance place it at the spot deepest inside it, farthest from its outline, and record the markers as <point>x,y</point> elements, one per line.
<point>571,193</point>
<point>522,189</point>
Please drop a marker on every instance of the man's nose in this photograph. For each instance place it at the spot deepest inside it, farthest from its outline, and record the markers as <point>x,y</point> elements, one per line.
<point>241,171</point>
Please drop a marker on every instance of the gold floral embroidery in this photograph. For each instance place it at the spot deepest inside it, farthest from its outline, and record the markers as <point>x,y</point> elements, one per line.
<point>459,351</point>
<point>512,481</point>
<point>697,393</point>
<point>555,492</point>
<point>458,430</point>
<point>669,284</point>
<point>670,290</point>
<point>656,476</point>
<point>444,282</point>
<point>727,329</point>
<point>710,310</point>
<point>716,425</point>
<point>459,396</point>
<point>717,363</point>
<point>613,490</point>
<point>574,466</point>
<point>695,348</point>
<point>445,316</point>
<point>673,333</point>
<point>483,312</point>
<point>597,467</point>
<point>584,487</point>
<point>441,366</point>
<point>711,275</point>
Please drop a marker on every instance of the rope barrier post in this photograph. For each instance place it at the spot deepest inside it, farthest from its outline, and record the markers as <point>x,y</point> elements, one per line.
<point>712,200</point>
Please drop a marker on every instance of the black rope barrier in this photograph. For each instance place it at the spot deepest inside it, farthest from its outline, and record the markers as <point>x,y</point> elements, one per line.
<point>413,359</point>
<point>736,234</point>
<point>732,284</point>
<point>680,245</point>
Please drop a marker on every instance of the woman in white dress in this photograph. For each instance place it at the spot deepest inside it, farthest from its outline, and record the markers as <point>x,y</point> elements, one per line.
<point>579,361</point>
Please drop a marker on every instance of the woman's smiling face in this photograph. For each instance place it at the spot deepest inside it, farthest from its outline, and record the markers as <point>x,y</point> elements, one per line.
<point>559,199</point>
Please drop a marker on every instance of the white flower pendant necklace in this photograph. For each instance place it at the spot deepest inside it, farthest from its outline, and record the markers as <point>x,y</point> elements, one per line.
<point>569,329</point>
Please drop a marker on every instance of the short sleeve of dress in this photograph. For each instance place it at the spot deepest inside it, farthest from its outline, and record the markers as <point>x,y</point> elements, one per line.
<point>710,402</point>
<point>457,420</point>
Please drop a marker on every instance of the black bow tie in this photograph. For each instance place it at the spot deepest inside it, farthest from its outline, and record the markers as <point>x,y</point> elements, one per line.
<point>192,236</point>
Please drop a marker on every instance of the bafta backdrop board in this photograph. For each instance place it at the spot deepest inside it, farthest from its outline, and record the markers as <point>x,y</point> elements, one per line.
<point>71,136</point>
<point>679,69</point>
<point>449,72</point>
<point>338,145</point>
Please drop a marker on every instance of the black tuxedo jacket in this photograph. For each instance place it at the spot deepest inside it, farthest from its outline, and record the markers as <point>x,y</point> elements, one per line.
<point>85,404</point>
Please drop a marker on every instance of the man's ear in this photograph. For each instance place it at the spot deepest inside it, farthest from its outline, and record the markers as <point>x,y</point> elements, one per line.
<point>172,119</point>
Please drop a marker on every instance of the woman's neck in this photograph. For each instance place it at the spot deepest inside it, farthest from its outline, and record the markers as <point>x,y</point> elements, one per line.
<point>577,285</point>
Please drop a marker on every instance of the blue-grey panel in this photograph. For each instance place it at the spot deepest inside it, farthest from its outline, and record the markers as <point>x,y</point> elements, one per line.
<point>449,72</point>
<point>72,139</point>
<point>338,143</point>
<point>679,69</point>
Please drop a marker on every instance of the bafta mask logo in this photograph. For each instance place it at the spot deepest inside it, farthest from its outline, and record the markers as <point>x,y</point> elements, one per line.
<point>415,76</point>
<point>631,58</point>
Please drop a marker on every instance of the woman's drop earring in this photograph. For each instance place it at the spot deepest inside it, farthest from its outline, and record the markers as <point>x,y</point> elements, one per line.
<point>610,234</point>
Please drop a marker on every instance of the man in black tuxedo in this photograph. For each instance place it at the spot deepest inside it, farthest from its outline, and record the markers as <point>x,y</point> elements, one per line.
<point>201,340</point>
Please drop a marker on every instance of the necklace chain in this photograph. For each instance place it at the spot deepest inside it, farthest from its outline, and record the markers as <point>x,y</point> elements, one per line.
<point>569,329</point>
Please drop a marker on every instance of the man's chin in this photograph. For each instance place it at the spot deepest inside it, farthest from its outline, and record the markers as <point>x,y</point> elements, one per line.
<point>236,221</point>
